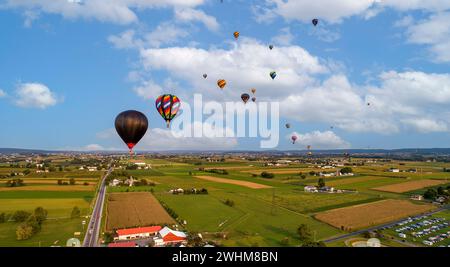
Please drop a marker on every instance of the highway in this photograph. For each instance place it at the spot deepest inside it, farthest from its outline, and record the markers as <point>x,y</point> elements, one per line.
<point>93,229</point>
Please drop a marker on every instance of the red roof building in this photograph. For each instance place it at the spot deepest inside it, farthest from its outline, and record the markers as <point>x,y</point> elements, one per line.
<point>137,233</point>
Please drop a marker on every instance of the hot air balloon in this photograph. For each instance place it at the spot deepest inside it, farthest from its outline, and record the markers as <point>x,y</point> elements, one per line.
<point>168,106</point>
<point>245,98</point>
<point>131,126</point>
<point>273,75</point>
<point>254,99</point>
<point>288,125</point>
<point>221,83</point>
<point>253,90</point>
<point>270,47</point>
<point>294,138</point>
<point>308,147</point>
<point>205,75</point>
<point>236,35</point>
<point>315,22</point>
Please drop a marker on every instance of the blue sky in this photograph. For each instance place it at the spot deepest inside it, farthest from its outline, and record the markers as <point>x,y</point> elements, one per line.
<point>67,68</point>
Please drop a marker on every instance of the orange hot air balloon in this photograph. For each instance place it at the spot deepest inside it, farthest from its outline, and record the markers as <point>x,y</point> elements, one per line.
<point>236,35</point>
<point>221,83</point>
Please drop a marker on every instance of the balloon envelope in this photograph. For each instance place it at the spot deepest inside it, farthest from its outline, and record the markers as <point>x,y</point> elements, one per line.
<point>253,90</point>
<point>270,47</point>
<point>294,138</point>
<point>168,106</point>
<point>315,22</point>
<point>288,125</point>
<point>131,126</point>
<point>205,75</point>
<point>254,99</point>
<point>245,97</point>
<point>273,75</point>
<point>236,35</point>
<point>221,83</point>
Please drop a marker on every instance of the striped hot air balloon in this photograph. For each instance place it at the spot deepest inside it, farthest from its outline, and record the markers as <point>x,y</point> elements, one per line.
<point>221,83</point>
<point>168,106</point>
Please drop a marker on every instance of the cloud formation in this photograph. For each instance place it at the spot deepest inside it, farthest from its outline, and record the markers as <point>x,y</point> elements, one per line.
<point>34,95</point>
<point>320,140</point>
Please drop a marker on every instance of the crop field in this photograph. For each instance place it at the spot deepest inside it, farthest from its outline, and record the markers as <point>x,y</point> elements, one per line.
<point>40,187</point>
<point>234,182</point>
<point>365,215</point>
<point>410,186</point>
<point>125,210</point>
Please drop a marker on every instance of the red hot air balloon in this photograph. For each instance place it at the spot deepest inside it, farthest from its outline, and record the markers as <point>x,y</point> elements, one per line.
<point>131,126</point>
<point>168,106</point>
<point>294,138</point>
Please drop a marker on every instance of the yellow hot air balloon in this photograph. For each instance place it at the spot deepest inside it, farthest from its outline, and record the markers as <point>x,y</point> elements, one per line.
<point>236,35</point>
<point>221,83</point>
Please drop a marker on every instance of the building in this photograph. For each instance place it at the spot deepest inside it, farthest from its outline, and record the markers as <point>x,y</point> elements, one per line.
<point>115,182</point>
<point>122,245</point>
<point>394,170</point>
<point>311,189</point>
<point>137,233</point>
<point>92,169</point>
<point>416,197</point>
<point>327,189</point>
<point>169,237</point>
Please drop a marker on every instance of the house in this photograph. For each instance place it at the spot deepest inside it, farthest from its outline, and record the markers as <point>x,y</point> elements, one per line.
<point>92,169</point>
<point>327,189</point>
<point>39,165</point>
<point>167,237</point>
<point>122,245</point>
<point>394,170</point>
<point>416,197</point>
<point>115,182</point>
<point>176,191</point>
<point>137,233</point>
<point>311,189</point>
<point>130,181</point>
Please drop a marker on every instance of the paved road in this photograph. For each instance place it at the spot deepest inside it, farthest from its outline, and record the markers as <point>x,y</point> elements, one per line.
<point>372,229</point>
<point>92,233</point>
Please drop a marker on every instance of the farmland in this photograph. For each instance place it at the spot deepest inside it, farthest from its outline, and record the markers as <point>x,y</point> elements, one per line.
<point>364,215</point>
<point>234,182</point>
<point>40,188</point>
<point>125,210</point>
<point>410,186</point>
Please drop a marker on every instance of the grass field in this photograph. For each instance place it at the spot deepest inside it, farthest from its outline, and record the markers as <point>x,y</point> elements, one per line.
<point>365,215</point>
<point>125,210</point>
<point>234,182</point>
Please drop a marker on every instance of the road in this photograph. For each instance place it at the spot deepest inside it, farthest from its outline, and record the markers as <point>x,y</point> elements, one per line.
<point>372,229</point>
<point>93,230</point>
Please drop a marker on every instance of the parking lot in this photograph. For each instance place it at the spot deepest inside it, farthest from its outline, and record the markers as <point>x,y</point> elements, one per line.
<point>424,230</point>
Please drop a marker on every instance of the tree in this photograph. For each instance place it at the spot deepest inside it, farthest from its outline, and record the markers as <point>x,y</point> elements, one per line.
<point>26,172</point>
<point>85,183</point>
<point>76,212</point>
<point>61,168</point>
<point>304,233</point>
<point>440,191</point>
<point>41,214</point>
<point>20,216</point>
<point>52,169</point>
<point>24,231</point>
<point>229,202</point>
<point>267,175</point>
<point>60,182</point>
<point>35,223</point>
<point>321,182</point>
<point>430,194</point>
<point>303,176</point>
<point>108,237</point>
<point>72,181</point>
<point>312,173</point>
<point>346,170</point>
<point>2,217</point>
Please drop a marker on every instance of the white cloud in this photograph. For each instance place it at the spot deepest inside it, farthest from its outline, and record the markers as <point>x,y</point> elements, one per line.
<point>165,33</point>
<point>190,14</point>
<point>285,37</point>
<point>246,65</point>
<point>93,147</point>
<point>2,93</point>
<point>334,11</point>
<point>434,32</point>
<point>125,40</point>
<point>426,125</point>
<point>148,90</point>
<point>320,140</point>
<point>117,11</point>
<point>34,95</point>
